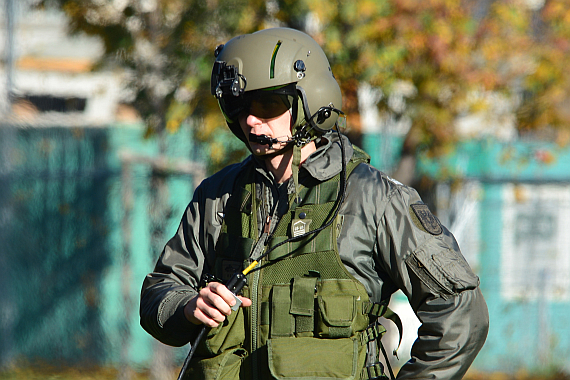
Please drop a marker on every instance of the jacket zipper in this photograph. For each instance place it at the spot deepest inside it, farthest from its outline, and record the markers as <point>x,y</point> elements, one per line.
<point>255,299</point>
<point>254,308</point>
<point>254,311</point>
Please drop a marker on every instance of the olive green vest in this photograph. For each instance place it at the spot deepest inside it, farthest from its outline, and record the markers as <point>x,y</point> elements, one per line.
<point>309,316</point>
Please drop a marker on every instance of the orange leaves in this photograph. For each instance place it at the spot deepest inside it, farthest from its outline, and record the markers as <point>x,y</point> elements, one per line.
<point>447,50</point>
<point>447,53</point>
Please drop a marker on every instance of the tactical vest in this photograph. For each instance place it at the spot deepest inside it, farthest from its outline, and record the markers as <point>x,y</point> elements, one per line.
<point>310,318</point>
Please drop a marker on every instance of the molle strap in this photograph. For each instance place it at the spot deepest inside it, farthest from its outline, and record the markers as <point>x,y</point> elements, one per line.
<point>244,201</point>
<point>239,213</point>
<point>373,332</point>
<point>303,304</point>
<point>375,309</point>
<point>382,310</point>
<point>301,196</point>
<point>324,193</point>
<point>374,372</point>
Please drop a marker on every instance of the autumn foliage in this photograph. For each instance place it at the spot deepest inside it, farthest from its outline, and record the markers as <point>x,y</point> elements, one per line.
<point>443,58</point>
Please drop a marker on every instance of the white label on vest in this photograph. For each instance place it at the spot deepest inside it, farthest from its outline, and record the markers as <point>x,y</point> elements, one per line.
<point>300,227</point>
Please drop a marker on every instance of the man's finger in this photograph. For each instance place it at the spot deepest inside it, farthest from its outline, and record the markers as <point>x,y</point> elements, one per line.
<point>245,302</point>
<point>223,292</point>
<point>210,309</point>
<point>216,301</point>
<point>205,319</point>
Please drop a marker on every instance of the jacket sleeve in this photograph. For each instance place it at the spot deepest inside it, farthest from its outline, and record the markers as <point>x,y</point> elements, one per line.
<point>423,259</point>
<point>190,252</point>
<point>173,283</point>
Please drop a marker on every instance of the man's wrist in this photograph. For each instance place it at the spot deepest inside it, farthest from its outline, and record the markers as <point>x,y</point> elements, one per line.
<point>189,309</point>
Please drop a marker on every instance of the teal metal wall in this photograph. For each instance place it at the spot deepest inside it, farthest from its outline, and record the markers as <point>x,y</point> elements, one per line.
<point>70,282</point>
<point>529,333</point>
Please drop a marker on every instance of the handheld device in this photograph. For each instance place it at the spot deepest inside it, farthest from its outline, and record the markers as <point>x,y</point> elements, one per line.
<point>235,285</point>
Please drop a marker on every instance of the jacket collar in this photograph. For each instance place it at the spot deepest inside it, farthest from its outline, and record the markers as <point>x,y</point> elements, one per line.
<point>324,163</point>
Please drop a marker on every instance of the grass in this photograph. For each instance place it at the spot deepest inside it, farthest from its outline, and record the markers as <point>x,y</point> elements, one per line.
<point>52,372</point>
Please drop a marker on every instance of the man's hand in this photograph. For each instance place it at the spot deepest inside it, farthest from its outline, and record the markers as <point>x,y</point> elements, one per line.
<point>211,306</point>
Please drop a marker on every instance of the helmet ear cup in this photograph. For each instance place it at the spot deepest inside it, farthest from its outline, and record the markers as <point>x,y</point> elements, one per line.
<point>322,90</point>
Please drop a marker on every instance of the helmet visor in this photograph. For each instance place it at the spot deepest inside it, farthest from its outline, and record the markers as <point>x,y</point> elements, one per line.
<point>265,103</point>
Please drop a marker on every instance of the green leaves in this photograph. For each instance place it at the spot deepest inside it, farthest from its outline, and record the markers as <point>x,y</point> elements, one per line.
<point>447,50</point>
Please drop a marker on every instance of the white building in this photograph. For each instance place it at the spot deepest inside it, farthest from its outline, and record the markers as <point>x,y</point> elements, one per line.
<point>48,74</point>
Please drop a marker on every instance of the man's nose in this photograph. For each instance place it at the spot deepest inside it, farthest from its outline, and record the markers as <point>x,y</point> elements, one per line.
<point>254,122</point>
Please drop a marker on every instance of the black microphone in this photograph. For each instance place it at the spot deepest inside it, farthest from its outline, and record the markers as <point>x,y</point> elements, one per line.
<point>262,139</point>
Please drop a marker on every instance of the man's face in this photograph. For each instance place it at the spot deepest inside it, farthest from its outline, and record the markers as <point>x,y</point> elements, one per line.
<point>267,115</point>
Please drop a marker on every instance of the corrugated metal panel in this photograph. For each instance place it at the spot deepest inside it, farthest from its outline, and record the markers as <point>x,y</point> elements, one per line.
<point>70,279</point>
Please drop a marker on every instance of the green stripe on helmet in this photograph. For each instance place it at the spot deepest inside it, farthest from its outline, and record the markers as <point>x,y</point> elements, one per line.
<point>272,68</point>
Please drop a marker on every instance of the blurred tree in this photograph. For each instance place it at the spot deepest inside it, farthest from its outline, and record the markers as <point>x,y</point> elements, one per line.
<point>444,59</point>
<point>167,48</point>
<point>434,61</point>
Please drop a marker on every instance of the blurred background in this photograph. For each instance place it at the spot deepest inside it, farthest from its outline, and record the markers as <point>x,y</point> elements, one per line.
<point>107,125</point>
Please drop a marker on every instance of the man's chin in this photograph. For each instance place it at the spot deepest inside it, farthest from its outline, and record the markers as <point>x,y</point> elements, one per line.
<point>260,151</point>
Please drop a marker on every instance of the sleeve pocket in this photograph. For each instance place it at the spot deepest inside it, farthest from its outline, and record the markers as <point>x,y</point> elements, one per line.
<point>443,270</point>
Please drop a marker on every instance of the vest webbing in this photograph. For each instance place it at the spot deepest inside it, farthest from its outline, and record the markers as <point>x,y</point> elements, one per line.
<point>302,292</point>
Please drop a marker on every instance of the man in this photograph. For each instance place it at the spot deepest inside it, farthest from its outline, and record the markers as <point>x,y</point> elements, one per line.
<point>330,239</point>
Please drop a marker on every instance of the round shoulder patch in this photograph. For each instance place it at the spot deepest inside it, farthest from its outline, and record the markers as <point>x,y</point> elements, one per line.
<point>428,221</point>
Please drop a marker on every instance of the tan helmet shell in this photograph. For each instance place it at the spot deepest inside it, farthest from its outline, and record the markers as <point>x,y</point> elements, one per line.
<point>280,56</point>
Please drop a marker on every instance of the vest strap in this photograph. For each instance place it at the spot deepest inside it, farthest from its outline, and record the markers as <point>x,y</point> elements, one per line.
<point>372,332</point>
<point>303,304</point>
<point>381,309</point>
<point>323,241</point>
<point>373,371</point>
<point>375,309</point>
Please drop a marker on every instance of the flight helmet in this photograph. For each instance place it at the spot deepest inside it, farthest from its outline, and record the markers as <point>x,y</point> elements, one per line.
<point>280,61</point>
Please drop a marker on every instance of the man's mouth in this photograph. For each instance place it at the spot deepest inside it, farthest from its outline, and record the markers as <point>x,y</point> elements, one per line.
<point>262,139</point>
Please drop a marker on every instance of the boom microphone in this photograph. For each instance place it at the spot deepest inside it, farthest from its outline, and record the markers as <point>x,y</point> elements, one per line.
<point>262,139</point>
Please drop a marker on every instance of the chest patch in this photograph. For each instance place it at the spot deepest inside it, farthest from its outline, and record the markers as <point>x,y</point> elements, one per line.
<point>300,227</point>
<point>427,220</point>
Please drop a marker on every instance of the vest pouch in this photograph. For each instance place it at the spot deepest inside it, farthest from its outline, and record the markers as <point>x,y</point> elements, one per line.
<point>336,315</point>
<point>229,334</point>
<point>314,358</point>
<point>225,366</point>
<point>340,309</point>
